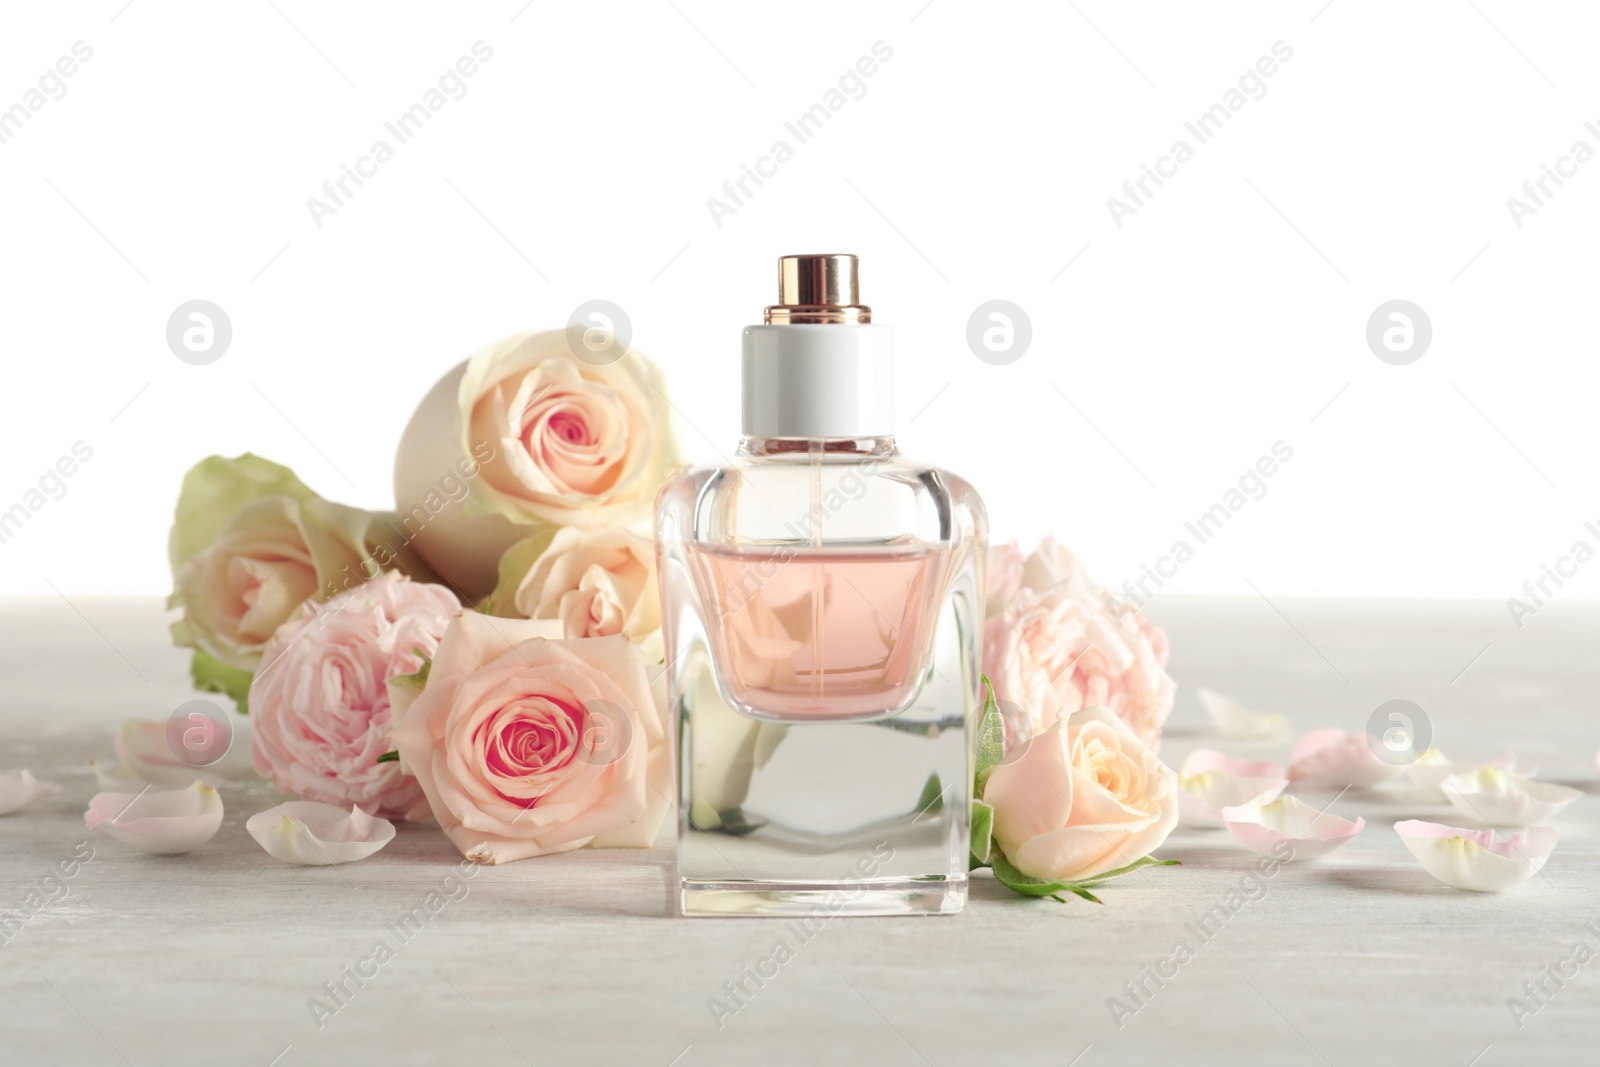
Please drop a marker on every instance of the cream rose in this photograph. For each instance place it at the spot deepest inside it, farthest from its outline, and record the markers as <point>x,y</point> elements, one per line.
<point>553,440</point>
<point>1082,798</point>
<point>596,583</point>
<point>526,743</point>
<point>249,544</point>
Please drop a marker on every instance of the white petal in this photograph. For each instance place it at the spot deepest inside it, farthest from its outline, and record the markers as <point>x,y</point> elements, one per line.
<point>163,822</point>
<point>20,790</point>
<point>317,835</point>
<point>1232,719</point>
<point>1430,769</point>
<point>1473,859</point>
<point>1500,798</point>
<point>1201,797</point>
<point>1288,824</point>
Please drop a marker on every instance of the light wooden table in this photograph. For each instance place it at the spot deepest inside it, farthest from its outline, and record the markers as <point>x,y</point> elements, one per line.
<point>1360,958</point>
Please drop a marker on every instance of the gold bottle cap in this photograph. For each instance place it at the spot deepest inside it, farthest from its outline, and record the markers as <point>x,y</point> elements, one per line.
<point>818,289</point>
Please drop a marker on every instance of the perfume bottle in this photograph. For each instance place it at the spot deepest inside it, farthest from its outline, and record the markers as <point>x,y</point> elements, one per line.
<point>822,600</point>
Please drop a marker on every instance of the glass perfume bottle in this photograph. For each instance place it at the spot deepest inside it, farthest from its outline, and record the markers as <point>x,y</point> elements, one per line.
<point>823,607</point>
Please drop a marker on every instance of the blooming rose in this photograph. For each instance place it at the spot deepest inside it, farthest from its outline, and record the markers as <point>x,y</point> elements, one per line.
<point>596,583</point>
<point>1004,577</point>
<point>320,702</point>
<point>1050,654</point>
<point>1053,566</point>
<point>527,743</point>
<point>249,544</point>
<point>1061,644</point>
<point>1082,798</point>
<point>560,441</point>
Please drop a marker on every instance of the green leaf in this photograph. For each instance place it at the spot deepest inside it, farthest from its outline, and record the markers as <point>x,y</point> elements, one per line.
<point>982,833</point>
<point>211,675</point>
<point>388,757</point>
<point>991,738</point>
<point>932,798</point>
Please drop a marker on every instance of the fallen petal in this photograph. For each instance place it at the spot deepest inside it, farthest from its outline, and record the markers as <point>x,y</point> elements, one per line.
<point>20,790</point>
<point>1473,859</point>
<point>318,835</point>
<point>1268,826</point>
<point>1232,719</point>
<point>1333,759</point>
<point>1201,797</point>
<point>1209,759</point>
<point>1430,769</point>
<point>1500,798</point>
<point>162,822</point>
<point>144,754</point>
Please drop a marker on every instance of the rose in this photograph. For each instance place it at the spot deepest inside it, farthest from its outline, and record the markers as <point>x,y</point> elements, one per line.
<point>596,583</point>
<point>1004,578</point>
<point>562,442</point>
<point>527,743</point>
<point>249,544</point>
<point>1050,654</point>
<point>1082,798</point>
<point>1053,565</point>
<point>320,704</point>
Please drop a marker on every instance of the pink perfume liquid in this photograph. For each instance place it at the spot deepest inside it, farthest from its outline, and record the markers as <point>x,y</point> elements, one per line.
<point>823,633</point>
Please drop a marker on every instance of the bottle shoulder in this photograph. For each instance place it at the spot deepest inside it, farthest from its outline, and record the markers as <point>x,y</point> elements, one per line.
<point>874,499</point>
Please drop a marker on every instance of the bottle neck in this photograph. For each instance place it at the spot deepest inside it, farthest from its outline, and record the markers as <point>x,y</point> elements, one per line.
<point>827,447</point>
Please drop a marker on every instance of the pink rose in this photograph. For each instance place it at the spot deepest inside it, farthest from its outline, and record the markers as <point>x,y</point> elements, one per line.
<point>1082,798</point>
<point>1004,578</point>
<point>1053,566</point>
<point>527,743</point>
<point>551,436</point>
<point>1050,654</point>
<point>320,705</point>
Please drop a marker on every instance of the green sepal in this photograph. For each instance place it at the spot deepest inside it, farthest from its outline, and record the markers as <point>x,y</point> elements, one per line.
<point>1029,886</point>
<point>417,679</point>
<point>388,757</point>
<point>515,563</point>
<point>982,834</point>
<point>211,675</point>
<point>991,739</point>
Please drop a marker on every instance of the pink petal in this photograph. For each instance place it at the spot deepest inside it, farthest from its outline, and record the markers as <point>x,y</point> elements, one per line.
<point>1268,827</point>
<point>160,822</point>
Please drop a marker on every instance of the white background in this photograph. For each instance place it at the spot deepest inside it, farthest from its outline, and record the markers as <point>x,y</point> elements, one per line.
<point>1227,314</point>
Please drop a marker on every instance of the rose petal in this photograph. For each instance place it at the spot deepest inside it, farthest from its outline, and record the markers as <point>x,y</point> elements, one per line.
<point>1504,798</point>
<point>161,822</point>
<point>1473,859</point>
<point>1202,796</point>
<point>20,790</point>
<point>1333,759</point>
<point>1232,719</point>
<point>1430,769</point>
<point>1207,759</point>
<point>1266,826</point>
<point>144,756</point>
<point>318,835</point>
